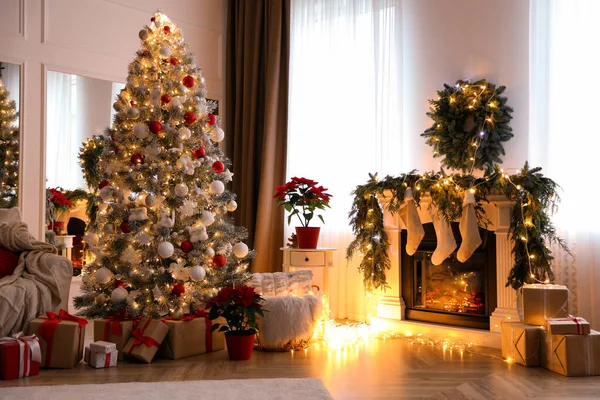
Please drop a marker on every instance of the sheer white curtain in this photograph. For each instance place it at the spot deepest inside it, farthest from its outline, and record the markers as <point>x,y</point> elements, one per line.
<point>565,136</point>
<point>345,104</point>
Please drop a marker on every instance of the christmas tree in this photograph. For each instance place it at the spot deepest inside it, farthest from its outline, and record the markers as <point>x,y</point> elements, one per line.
<point>162,240</point>
<point>9,150</point>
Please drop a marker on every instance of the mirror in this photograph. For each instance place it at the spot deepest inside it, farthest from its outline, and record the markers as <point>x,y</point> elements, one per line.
<point>10,90</point>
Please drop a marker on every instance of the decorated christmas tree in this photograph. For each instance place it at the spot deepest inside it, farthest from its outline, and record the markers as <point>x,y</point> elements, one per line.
<point>9,150</point>
<point>161,237</point>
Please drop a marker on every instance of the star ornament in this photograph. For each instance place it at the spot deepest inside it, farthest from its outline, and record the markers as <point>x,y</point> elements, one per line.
<point>227,175</point>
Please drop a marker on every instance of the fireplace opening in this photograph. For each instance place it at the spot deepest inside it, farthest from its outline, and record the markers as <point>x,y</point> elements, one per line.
<point>452,293</point>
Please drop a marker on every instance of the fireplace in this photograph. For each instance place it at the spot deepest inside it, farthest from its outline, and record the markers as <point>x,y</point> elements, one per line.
<point>452,293</point>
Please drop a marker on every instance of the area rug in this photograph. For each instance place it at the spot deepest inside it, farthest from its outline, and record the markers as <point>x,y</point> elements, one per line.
<point>235,389</point>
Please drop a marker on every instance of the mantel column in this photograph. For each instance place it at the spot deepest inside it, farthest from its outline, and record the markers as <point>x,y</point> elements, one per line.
<point>506,306</point>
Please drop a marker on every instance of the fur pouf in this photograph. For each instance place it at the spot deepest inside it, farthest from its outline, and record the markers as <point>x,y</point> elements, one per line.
<point>289,322</point>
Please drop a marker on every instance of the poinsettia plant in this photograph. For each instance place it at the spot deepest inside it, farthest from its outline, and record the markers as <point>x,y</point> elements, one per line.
<point>239,305</point>
<point>302,197</point>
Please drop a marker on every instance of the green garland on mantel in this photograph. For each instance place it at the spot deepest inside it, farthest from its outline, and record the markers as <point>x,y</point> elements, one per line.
<point>531,230</point>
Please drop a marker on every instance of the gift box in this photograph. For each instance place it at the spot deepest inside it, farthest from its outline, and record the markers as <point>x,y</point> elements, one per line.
<point>521,343</point>
<point>116,331</point>
<point>146,339</point>
<point>191,336</point>
<point>61,339</point>
<point>20,356</point>
<point>567,326</point>
<point>101,354</point>
<point>571,355</point>
<point>541,302</point>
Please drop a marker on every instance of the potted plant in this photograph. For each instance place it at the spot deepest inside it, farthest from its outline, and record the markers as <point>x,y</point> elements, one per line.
<point>302,197</point>
<point>57,204</point>
<point>239,306</point>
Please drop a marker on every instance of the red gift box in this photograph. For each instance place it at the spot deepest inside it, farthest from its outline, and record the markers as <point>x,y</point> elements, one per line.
<point>19,356</point>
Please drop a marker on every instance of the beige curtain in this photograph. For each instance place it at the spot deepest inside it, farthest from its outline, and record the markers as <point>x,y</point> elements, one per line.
<point>257,59</point>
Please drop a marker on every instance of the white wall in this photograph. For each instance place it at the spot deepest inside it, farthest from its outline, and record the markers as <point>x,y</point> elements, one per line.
<point>449,40</point>
<point>96,38</point>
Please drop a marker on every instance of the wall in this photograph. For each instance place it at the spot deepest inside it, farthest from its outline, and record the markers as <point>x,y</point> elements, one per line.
<point>96,38</point>
<point>449,40</point>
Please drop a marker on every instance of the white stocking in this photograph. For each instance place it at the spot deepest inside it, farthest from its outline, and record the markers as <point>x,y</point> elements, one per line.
<point>410,217</point>
<point>469,229</point>
<point>445,239</point>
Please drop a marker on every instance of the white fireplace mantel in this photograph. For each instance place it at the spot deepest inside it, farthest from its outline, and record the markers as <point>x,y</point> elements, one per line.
<point>391,306</point>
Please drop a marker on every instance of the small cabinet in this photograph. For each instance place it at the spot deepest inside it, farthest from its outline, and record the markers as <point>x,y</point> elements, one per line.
<point>316,260</point>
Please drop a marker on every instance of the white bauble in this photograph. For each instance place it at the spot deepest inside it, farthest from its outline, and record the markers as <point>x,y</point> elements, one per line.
<point>143,34</point>
<point>141,131</point>
<point>207,218</point>
<point>165,51</point>
<point>144,238</point>
<point>181,190</point>
<point>92,239</point>
<point>166,249</point>
<point>209,252</point>
<point>240,250</point>
<point>133,113</point>
<point>150,200</point>
<point>108,228</point>
<point>119,294</point>
<point>231,205</point>
<point>183,88</point>
<point>216,187</point>
<point>197,273</point>
<point>217,134</point>
<point>185,133</point>
<point>103,275</point>
<point>100,299</point>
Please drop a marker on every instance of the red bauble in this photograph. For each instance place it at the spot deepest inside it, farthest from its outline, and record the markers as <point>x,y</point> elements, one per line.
<point>188,81</point>
<point>125,227</point>
<point>133,103</point>
<point>103,184</point>
<point>211,119</point>
<point>165,98</point>
<point>137,159</point>
<point>178,289</point>
<point>219,260</point>
<point>155,127</point>
<point>118,283</point>
<point>189,117</point>
<point>173,61</point>
<point>117,149</point>
<point>218,167</point>
<point>152,19</point>
<point>167,29</point>
<point>199,152</point>
<point>187,246</point>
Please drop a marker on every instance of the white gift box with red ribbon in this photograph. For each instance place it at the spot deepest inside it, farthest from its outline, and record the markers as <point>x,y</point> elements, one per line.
<point>101,354</point>
<point>29,355</point>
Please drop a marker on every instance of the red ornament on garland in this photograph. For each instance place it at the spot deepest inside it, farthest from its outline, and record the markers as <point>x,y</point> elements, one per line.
<point>187,246</point>
<point>189,117</point>
<point>219,260</point>
<point>103,184</point>
<point>173,61</point>
<point>199,152</point>
<point>165,98</point>
<point>125,228</point>
<point>167,29</point>
<point>211,119</point>
<point>218,167</point>
<point>152,19</point>
<point>188,81</point>
<point>137,159</point>
<point>117,149</point>
<point>178,289</point>
<point>155,127</point>
<point>118,283</point>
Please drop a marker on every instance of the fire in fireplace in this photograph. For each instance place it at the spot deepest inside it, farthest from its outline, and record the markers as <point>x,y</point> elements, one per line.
<point>451,293</point>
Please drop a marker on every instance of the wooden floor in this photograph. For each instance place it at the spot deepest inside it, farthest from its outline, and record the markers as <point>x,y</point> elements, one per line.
<point>390,369</point>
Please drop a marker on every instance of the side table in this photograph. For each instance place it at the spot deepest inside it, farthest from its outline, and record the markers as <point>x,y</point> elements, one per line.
<point>316,260</point>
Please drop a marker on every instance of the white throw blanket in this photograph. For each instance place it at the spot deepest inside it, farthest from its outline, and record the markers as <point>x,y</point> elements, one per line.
<point>34,287</point>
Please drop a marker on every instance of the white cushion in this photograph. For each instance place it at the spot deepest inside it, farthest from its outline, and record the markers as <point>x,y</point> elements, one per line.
<point>10,214</point>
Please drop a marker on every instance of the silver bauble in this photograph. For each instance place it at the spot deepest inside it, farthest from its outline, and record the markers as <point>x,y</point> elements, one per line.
<point>181,190</point>
<point>165,51</point>
<point>141,131</point>
<point>231,205</point>
<point>133,113</point>
<point>143,34</point>
<point>150,200</point>
<point>100,300</point>
<point>118,294</point>
<point>209,252</point>
<point>178,314</point>
<point>103,275</point>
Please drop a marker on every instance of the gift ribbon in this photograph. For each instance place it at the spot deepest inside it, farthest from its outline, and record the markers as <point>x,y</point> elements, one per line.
<point>570,318</point>
<point>199,314</point>
<point>29,350</point>
<point>107,360</point>
<point>140,339</point>
<point>48,328</point>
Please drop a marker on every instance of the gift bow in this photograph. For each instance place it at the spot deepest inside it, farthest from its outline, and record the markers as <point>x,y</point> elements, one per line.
<point>199,313</point>
<point>573,319</point>
<point>48,328</point>
<point>29,349</point>
<point>141,339</point>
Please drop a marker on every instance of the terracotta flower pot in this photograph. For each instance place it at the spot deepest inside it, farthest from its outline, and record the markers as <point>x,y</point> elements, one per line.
<point>308,237</point>
<point>239,344</point>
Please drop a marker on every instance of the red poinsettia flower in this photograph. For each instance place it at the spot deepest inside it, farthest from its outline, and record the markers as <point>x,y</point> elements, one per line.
<point>239,305</point>
<point>301,197</point>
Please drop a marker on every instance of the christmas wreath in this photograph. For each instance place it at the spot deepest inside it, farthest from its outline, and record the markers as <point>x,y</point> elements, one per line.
<point>470,123</point>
